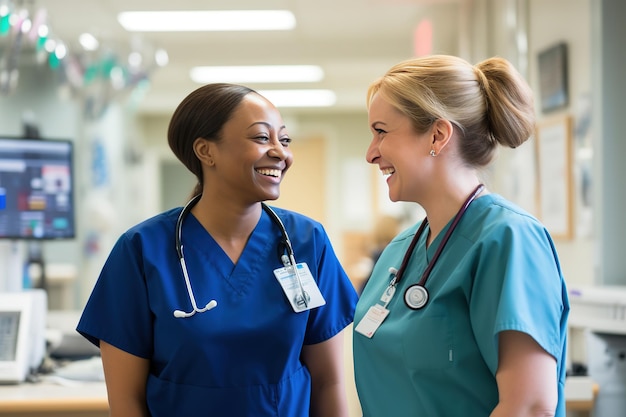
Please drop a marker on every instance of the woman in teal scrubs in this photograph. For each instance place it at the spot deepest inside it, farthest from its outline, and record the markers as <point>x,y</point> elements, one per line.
<point>222,331</point>
<point>465,313</point>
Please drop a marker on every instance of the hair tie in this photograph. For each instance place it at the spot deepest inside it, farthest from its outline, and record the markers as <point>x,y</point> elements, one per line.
<point>483,84</point>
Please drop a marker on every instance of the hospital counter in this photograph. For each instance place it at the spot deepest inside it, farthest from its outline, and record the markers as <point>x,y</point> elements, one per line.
<point>48,399</point>
<point>88,399</point>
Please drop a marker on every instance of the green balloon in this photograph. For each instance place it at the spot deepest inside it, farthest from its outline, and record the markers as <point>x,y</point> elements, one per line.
<point>53,61</point>
<point>5,25</point>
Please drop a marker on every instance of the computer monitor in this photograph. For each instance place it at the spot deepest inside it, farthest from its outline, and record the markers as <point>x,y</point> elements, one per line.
<point>36,189</point>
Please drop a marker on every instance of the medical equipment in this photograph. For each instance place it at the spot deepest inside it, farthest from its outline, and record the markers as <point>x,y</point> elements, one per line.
<point>22,333</point>
<point>288,260</point>
<point>416,295</point>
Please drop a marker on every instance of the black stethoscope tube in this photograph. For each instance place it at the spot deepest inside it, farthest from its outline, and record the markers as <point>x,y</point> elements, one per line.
<point>185,211</point>
<point>418,292</point>
<point>302,298</point>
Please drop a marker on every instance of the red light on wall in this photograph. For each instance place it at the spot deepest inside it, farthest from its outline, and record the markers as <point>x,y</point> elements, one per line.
<point>423,38</point>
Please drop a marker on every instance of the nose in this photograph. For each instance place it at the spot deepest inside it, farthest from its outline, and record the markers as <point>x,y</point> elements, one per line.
<point>372,152</point>
<point>277,150</point>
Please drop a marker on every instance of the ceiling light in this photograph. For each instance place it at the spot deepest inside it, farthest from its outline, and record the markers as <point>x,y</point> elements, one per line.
<point>300,98</point>
<point>257,74</point>
<point>202,20</point>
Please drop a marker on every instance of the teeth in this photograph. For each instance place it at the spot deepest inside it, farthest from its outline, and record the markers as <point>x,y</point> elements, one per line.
<point>271,172</point>
<point>388,171</point>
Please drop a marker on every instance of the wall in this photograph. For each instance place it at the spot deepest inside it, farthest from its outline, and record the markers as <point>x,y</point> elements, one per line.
<point>549,25</point>
<point>57,116</point>
<point>518,30</point>
<point>107,201</point>
<point>609,149</point>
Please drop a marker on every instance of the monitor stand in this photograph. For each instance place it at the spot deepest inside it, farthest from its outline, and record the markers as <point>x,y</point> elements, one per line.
<point>11,265</point>
<point>35,258</point>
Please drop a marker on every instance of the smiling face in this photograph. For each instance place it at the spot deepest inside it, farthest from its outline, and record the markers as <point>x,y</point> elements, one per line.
<point>401,153</point>
<point>250,159</point>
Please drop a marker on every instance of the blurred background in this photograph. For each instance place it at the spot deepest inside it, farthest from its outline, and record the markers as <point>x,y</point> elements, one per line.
<point>83,71</point>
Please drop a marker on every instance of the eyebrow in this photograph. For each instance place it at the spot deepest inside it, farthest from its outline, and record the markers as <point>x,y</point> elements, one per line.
<point>268,125</point>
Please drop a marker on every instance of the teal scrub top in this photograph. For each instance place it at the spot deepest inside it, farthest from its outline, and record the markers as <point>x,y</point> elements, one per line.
<point>499,271</point>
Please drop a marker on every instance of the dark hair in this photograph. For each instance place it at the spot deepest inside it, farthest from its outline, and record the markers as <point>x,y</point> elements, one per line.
<point>202,114</point>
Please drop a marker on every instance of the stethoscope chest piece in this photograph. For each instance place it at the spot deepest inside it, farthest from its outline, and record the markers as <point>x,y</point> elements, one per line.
<point>416,296</point>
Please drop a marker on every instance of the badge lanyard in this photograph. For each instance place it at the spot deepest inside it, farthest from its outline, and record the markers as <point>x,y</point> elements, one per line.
<point>416,295</point>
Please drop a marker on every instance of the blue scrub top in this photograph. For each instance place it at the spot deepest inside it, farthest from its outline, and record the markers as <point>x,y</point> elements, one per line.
<point>499,271</point>
<point>241,358</point>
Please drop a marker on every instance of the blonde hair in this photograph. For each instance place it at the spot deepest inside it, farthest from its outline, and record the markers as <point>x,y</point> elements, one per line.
<point>489,103</point>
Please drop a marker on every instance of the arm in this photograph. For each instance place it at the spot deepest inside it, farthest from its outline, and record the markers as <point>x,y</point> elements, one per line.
<point>125,377</point>
<point>325,363</point>
<point>526,377</point>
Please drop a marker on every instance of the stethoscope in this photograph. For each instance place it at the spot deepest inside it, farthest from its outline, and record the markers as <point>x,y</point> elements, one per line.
<point>416,295</point>
<point>288,260</point>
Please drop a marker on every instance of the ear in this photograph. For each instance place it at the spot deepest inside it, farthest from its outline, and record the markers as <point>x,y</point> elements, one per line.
<point>204,151</point>
<point>442,131</point>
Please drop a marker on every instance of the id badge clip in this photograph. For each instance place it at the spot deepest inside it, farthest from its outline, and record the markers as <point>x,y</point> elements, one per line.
<point>299,287</point>
<point>376,313</point>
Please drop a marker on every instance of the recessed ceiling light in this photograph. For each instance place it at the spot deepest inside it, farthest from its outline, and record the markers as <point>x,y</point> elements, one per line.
<point>300,98</point>
<point>203,20</point>
<point>257,74</point>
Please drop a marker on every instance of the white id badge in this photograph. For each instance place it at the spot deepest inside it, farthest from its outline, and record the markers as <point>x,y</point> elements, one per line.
<point>287,279</point>
<point>372,320</point>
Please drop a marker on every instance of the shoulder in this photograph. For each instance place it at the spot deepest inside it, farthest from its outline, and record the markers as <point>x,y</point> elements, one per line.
<point>494,218</point>
<point>496,210</point>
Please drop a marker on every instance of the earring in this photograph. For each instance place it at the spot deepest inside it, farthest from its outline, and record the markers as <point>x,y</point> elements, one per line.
<point>432,152</point>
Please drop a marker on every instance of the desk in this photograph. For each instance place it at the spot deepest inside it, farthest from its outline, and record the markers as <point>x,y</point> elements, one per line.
<point>89,399</point>
<point>47,399</point>
<point>580,394</point>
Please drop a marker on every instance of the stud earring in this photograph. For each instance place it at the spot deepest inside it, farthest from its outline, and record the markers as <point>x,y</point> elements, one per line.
<point>432,152</point>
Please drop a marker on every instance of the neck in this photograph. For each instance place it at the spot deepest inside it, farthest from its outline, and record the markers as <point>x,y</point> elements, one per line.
<point>228,223</point>
<point>447,206</point>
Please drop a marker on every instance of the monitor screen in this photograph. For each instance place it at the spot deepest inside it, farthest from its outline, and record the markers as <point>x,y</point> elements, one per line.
<point>36,189</point>
<point>9,325</point>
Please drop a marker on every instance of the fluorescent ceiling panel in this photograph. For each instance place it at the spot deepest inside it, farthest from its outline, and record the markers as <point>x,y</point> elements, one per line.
<point>204,20</point>
<point>257,74</point>
<point>300,98</point>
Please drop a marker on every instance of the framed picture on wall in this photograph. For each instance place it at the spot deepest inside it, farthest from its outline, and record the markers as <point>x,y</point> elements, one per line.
<point>553,77</point>
<point>554,176</point>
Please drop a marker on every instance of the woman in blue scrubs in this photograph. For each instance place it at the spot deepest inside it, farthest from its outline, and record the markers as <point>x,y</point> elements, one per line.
<point>465,313</point>
<point>202,313</point>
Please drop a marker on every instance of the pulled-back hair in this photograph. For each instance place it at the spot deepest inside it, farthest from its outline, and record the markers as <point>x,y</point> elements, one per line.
<point>202,114</point>
<point>489,103</point>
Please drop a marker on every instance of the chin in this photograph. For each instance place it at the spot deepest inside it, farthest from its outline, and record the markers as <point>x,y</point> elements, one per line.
<point>272,197</point>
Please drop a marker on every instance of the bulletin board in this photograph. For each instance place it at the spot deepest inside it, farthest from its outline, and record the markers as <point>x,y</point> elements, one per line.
<point>554,176</point>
